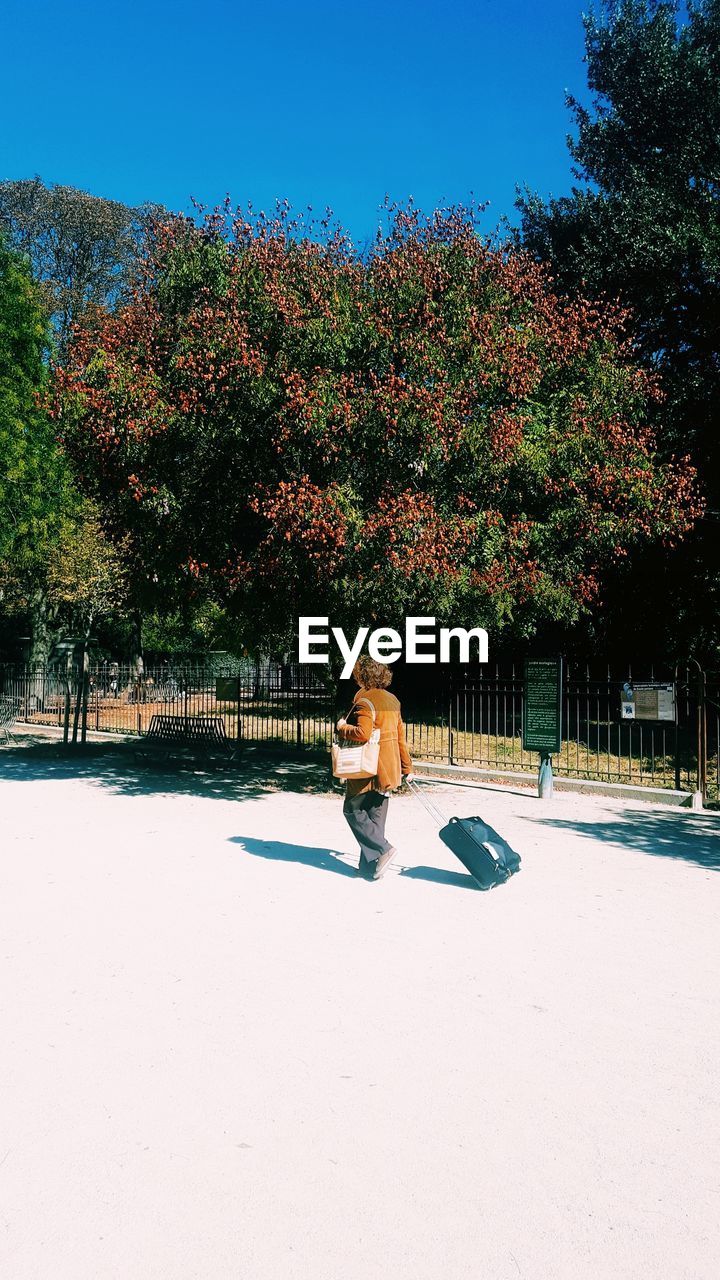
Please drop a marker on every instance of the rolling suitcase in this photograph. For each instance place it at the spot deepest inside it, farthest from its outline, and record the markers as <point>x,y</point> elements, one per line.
<point>480,848</point>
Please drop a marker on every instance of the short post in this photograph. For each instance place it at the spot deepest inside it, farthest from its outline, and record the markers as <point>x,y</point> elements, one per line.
<point>545,778</point>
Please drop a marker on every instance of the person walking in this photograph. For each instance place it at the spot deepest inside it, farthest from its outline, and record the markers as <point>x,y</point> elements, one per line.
<point>366,799</point>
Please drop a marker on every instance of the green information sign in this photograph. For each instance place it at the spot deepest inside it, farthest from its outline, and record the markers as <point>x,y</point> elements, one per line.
<point>542,709</point>
<point>227,688</point>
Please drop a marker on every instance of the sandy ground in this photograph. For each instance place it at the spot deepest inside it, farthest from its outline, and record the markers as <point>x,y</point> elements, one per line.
<point>226,1056</point>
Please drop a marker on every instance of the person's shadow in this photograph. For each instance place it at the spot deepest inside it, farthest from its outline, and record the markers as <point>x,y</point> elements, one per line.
<point>329,860</point>
<point>306,855</point>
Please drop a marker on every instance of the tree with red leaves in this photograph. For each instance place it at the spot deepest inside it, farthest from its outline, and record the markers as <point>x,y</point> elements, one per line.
<point>292,428</point>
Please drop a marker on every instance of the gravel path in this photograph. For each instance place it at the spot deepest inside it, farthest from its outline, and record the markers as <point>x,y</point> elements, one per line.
<point>226,1057</point>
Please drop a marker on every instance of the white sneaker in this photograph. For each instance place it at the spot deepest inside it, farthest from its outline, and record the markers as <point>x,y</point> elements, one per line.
<point>383,862</point>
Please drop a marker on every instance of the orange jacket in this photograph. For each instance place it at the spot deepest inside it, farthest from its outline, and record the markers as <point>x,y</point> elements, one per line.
<point>394,760</point>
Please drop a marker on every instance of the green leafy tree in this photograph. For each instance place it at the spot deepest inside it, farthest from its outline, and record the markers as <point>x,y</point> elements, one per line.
<point>87,575</point>
<point>644,227</point>
<point>85,581</point>
<point>289,428</point>
<point>33,475</point>
<point>82,248</point>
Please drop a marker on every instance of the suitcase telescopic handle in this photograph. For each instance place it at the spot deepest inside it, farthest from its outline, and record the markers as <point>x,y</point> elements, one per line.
<point>430,805</point>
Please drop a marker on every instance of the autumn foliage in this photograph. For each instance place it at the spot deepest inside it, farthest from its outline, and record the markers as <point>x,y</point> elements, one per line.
<point>291,427</point>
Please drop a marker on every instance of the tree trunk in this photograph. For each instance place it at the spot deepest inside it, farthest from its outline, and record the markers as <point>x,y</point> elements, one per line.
<point>84,677</point>
<point>41,618</point>
<point>42,615</point>
<point>66,716</point>
<point>85,692</point>
<point>138,663</point>
<point>78,704</point>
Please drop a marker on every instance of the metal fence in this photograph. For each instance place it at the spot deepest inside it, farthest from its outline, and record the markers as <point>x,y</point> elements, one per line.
<point>478,720</point>
<point>258,702</point>
<point>467,717</point>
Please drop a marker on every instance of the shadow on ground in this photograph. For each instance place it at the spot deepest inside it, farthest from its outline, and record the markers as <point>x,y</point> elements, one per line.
<point>117,768</point>
<point>330,860</point>
<point>437,876</point>
<point>306,855</point>
<point>692,837</point>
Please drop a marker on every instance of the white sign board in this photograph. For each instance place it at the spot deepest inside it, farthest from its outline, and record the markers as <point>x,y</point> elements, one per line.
<point>648,700</point>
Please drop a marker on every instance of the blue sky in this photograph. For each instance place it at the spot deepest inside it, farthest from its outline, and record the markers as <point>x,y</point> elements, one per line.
<point>322,103</point>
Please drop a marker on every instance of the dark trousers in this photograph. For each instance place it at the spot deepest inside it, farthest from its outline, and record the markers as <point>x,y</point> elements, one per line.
<point>366,815</point>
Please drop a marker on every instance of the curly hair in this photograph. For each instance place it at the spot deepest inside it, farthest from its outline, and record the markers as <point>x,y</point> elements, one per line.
<point>370,674</point>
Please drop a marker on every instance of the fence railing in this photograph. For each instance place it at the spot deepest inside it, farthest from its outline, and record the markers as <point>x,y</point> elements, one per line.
<point>468,718</point>
<point>479,721</point>
<point>273,704</point>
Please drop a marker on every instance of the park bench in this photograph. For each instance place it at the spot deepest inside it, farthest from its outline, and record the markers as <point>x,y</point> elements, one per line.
<point>9,710</point>
<point>187,738</point>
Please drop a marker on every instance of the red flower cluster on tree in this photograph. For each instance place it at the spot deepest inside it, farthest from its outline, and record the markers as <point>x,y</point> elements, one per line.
<point>306,517</point>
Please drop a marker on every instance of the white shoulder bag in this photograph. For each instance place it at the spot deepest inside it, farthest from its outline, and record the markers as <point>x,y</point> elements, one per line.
<point>357,759</point>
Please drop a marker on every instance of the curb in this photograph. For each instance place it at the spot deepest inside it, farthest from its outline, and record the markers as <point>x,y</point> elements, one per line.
<point>525,783</point>
<point>504,780</point>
